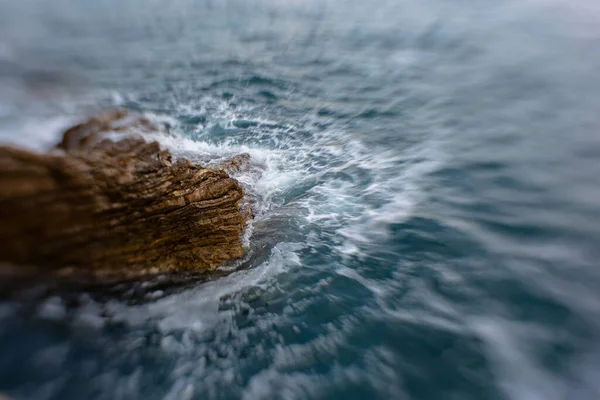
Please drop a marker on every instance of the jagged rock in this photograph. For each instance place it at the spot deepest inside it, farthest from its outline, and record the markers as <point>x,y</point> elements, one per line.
<point>239,163</point>
<point>114,208</point>
<point>86,134</point>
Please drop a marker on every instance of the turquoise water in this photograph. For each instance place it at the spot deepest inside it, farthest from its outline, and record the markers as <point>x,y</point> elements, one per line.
<point>427,197</point>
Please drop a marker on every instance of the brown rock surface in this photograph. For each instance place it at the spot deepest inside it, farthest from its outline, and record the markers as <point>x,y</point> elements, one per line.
<point>114,209</point>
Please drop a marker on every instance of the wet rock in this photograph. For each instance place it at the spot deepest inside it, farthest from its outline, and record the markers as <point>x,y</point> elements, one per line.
<point>110,207</point>
<point>237,164</point>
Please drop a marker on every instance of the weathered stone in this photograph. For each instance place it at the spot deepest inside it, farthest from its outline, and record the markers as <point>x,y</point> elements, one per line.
<point>114,209</point>
<point>239,163</point>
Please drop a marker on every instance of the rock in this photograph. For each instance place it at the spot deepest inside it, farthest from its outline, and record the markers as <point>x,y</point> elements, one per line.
<point>109,208</point>
<point>237,164</point>
<point>95,129</point>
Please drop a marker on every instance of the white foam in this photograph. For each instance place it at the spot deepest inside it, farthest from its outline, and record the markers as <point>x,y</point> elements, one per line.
<point>197,309</point>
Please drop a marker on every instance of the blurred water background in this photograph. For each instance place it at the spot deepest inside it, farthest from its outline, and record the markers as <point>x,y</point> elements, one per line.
<point>428,219</point>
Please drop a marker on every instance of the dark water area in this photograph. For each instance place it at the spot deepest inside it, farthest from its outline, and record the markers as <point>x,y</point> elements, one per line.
<point>427,222</point>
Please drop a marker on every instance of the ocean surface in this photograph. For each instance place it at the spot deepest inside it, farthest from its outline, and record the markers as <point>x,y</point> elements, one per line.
<point>428,206</point>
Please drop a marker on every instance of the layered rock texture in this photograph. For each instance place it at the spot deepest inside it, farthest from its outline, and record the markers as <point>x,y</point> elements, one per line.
<point>109,206</point>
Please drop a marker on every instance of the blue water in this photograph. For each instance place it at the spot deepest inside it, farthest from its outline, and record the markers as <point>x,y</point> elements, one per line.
<point>427,183</point>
